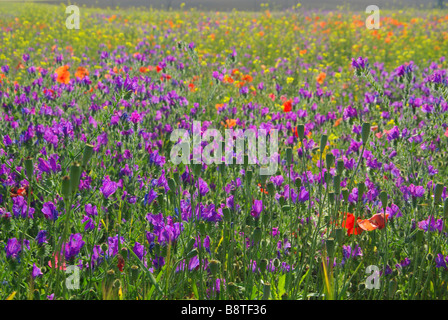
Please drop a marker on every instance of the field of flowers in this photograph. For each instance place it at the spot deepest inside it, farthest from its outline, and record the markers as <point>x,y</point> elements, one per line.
<point>88,191</point>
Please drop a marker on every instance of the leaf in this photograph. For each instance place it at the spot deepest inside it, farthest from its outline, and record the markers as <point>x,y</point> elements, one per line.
<point>148,273</point>
<point>195,290</point>
<point>281,285</point>
<point>11,296</point>
<point>254,293</point>
<point>159,276</point>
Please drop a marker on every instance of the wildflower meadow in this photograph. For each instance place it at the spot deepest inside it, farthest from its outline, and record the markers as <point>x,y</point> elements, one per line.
<point>325,176</point>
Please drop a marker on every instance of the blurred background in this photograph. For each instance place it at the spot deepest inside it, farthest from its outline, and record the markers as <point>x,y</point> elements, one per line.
<point>252,5</point>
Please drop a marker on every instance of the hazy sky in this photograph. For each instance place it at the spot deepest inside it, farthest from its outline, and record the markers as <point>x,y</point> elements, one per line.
<point>255,4</point>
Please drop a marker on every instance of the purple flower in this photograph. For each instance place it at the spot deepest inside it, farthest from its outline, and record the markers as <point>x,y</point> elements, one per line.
<point>73,246</point>
<point>203,187</point>
<point>149,197</point>
<point>97,256</point>
<point>416,191</point>
<point>434,225</point>
<point>348,252</point>
<point>440,261</point>
<point>41,237</point>
<point>36,271</point>
<point>403,263</point>
<point>13,248</point>
<point>139,250</point>
<point>49,211</point>
<point>89,224</point>
<point>360,63</point>
<point>113,245</point>
<point>257,207</point>
<point>91,210</point>
<point>20,208</point>
<point>109,187</point>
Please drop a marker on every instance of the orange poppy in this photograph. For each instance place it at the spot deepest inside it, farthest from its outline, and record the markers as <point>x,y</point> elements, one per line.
<point>81,72</point>
<point>63,74</point>
<point>321,78</point>
<point>230,123</point>
<point>247,78</point>
<point>376,222</point>
<point>337,122</point>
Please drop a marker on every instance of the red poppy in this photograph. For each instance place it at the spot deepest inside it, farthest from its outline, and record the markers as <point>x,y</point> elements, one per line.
<point>376,222</point>
<point>295,132</point>
<point>349,224</point>
<point>19,192</point>
<point>287,106</point>
<point>120,263</point>
<point>60,267</point>
<point>261,189</point>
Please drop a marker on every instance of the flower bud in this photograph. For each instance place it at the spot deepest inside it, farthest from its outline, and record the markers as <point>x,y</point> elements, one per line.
<point>257,235</point>
<point>329,159</point>
<point>438,192</point>
<point>345,194</point>
<point>340,166</point>
<point>214,267</point>
<point>171,184</point>
<point>365,132</point>
<point>288,155</point>
<point>266,291</point>
<point>263,265</point>
<point>75,175</point>
<point>361,190</point>
<point>271,188</point>
<point>419,237</point>
<point>445,209</point>
<point>88,151</point>
<point>330,244</point>
<point>323,142</point>
<point>66,188</point>
<point>337,184</point>
<point>226,214</point>
<point>202,228</point>
<point>249,174</point>
<point>29,168</point>
<point>298,183</point>
<point>331,197</point>
<point>339,235</point>
<point>301,131</point>
<point>383,198</point>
